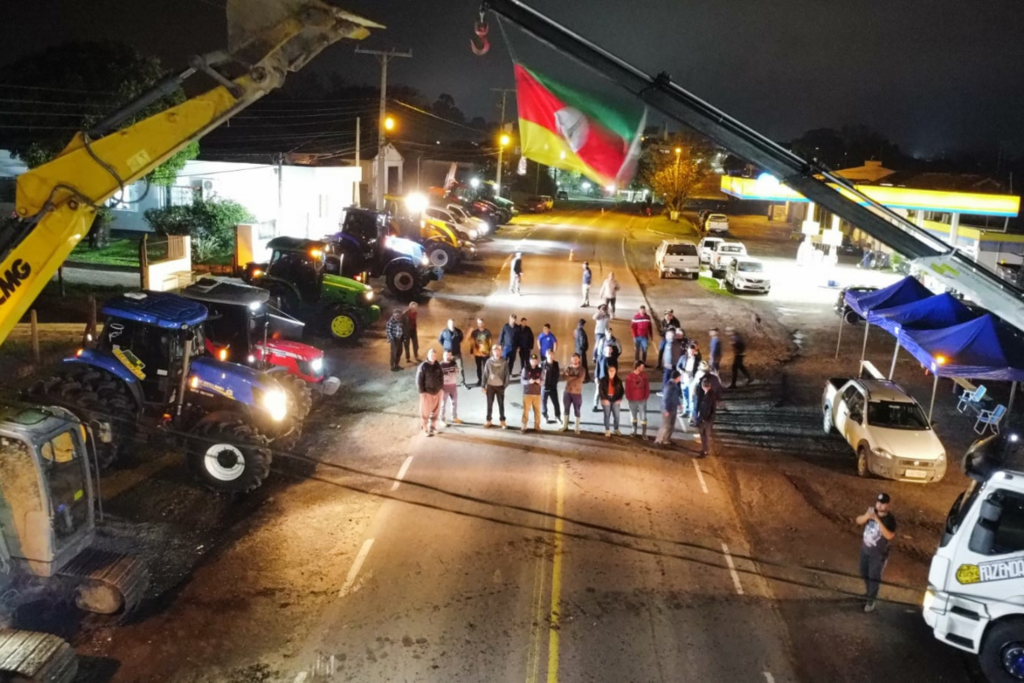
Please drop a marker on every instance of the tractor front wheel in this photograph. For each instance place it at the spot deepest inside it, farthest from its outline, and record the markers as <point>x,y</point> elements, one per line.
<point>299,396</point>
<point>229,456</point>
<point>344,324</point>
<point>402,280</point>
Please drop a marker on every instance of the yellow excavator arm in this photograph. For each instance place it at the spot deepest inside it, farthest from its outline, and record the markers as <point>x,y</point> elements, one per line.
<point>57,202</point>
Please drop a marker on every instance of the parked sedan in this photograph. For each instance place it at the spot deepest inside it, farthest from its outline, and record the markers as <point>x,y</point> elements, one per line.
<point>747,275</point>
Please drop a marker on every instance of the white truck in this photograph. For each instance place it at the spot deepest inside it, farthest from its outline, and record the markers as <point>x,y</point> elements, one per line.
<point>886,428</point>
<point>975,596</point>
<point>677,257</point>
<point>723,253</point>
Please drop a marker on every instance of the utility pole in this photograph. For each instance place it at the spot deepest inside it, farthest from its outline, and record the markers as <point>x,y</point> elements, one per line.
<point>357,199</point>
<point>501,131</point>
<point>384,56</point>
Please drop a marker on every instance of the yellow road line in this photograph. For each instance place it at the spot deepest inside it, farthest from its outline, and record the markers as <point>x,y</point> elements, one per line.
<point>539,581</point>
<point>556,579</point>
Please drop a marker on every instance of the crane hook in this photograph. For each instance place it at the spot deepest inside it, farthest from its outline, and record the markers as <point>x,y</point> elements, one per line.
<point>481,29</point>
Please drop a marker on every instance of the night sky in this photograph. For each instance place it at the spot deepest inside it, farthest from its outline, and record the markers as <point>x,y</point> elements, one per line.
<point>933,76</point>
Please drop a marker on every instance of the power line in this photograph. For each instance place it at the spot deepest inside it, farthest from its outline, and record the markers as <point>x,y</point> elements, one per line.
<point>435,116</point>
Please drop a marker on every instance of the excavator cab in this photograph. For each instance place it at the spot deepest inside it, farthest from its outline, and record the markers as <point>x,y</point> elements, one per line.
<point>46,511</point>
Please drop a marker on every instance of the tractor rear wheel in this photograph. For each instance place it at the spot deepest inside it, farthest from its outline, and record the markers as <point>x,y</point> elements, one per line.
<point>402,280</point>
<point>98,398</point>
<point>344,324</point>
<point>299,395</point>
<point>229,455</point>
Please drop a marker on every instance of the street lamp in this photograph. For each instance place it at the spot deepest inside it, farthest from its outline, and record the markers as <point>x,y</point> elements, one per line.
<point>389,123</point>
<point>502,144</point>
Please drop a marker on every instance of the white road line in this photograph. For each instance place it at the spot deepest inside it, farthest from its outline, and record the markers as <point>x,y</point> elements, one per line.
<point>353,572</point>
<point>401,473</point>
<point>732,570</point>
<point>700,477</point>
<point>768,677</point>
<point>301,677</point>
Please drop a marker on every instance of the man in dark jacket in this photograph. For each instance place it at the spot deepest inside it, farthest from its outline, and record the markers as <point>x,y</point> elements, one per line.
<point>549,389</point>
<point>582,344</point>
<point>667,322</point>
<point>508,340</point>
<point>704,413</point>
<point>430,384</point>
<point>739,352</point>
<point>526,342</point>
<point>451,340</point>
<point>395,331</point>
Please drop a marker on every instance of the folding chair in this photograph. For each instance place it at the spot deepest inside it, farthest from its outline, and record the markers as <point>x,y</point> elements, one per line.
<point>990,418</point>
<point>971,399</point>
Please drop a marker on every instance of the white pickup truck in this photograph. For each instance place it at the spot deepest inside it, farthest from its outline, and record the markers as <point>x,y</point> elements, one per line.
<point>886,428</point>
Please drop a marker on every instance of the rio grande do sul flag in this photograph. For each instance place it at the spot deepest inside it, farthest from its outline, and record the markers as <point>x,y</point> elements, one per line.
<point>572,130</point>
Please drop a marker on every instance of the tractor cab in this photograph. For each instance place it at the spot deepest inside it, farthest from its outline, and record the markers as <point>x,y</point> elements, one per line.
<point>46,496</point>
<point>146,334</point>
<point>297,277</point>
<point>243,327</point>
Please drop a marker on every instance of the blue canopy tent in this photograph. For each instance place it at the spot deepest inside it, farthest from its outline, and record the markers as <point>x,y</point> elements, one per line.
<point>907,290</point>
<point>979,348</point>
<point>934,313</point>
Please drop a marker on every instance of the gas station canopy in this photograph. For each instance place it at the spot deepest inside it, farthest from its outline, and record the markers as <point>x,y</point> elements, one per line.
<point>768,188</point>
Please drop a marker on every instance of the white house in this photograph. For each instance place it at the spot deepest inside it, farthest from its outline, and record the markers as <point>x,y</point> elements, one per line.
<point>302,200</point>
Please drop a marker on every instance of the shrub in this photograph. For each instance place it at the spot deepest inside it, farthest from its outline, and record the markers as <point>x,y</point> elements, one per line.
<point>209,222</point>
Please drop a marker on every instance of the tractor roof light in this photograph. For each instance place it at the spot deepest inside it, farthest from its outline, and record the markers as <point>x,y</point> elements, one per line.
<point>316,253</point>
<point>222,354</point>
<point>255,305</point>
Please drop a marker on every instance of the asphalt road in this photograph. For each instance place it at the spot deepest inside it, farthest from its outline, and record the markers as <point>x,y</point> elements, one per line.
<point>491,555</point>
<point>547,556</point>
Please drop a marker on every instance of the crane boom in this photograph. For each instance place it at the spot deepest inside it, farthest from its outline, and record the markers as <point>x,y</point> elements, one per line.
<point>942,261</point>
<point>57,201</point>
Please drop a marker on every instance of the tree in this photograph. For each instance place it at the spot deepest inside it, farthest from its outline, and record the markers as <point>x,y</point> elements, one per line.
<point>445,107</point>
<point>847,147</point>
<point>675,169</point>
<point>84,82</point>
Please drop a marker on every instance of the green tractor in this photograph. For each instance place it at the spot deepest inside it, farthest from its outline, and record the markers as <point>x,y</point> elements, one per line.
<point>337,306</point>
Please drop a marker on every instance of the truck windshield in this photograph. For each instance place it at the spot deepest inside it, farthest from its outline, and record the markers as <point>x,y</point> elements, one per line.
<point>893,415</point>
<point>961,506</point>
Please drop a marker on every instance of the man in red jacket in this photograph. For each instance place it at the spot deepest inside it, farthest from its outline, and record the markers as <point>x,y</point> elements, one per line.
<point>643,330</point>
<point>638,390</point>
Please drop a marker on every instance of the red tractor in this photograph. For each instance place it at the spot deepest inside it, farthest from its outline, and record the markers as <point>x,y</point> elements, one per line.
<point>244,328</point>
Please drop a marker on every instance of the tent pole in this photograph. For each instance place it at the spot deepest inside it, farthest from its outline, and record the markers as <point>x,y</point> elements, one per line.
<point>895,352</point>
<point>842,320</point>
<point>1013,393</point>
<point>864,348</point>
<point>931,406</point>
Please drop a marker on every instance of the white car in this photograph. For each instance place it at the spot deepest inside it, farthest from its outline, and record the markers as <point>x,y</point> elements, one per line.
<point>725,252</point>
<point>747,274</point>
<point>885,427</point>
<point>467,232</point>
<point>674,257</point>
<point>716,222</point>
<point>469,223</point>
<point>707,248</point>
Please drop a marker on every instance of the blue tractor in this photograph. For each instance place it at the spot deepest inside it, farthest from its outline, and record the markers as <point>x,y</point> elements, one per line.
<point>146,371</point>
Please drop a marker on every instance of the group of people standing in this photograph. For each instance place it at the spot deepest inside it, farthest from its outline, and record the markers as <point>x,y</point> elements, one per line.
<point>691,385</point>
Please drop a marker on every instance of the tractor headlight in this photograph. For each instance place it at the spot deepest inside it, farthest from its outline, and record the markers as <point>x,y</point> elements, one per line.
<point>485,227</point>
<point>368,295</point>
<point>424,261</point>
<point>276,403</point>
<point>317,364</point>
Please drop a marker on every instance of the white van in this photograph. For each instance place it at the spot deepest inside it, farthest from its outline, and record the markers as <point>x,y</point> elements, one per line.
<point>677,258</point>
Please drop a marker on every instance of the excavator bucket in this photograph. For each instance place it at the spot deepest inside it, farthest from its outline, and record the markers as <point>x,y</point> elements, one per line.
<point>252,25</point>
